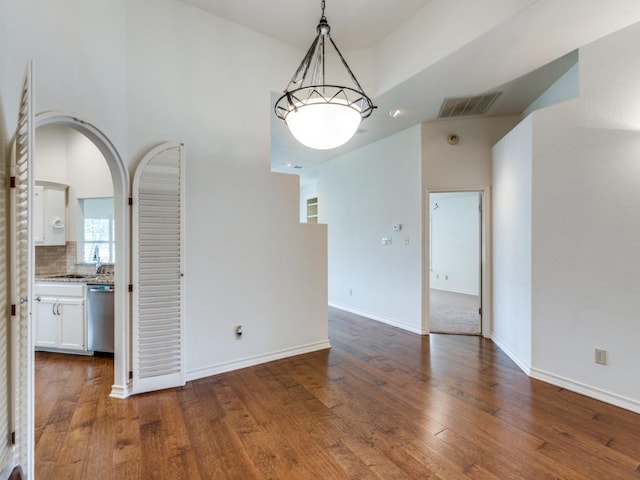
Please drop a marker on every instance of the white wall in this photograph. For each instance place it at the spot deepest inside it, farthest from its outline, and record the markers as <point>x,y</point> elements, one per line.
<point>511,252</point>
<point>566,88</point>
<point>88,176</point>
<point>586,254</point>
<point>454,242</point>
<point>467,164</point>
<point>50,154</point>
<point>145,72</point>
<point>361,196</point>
<point>79,50</point>
<point>207,82</point>
<point>63,155</point>
<point>87,170</point>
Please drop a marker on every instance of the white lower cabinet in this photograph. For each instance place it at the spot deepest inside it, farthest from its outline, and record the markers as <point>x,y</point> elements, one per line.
<point>46,322</point>
<point>59,316</point>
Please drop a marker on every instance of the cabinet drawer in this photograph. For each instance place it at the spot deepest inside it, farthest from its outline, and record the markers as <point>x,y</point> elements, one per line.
<point>59,289</point>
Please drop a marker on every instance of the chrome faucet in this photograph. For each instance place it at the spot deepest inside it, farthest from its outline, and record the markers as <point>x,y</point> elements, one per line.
<point>95,256</point>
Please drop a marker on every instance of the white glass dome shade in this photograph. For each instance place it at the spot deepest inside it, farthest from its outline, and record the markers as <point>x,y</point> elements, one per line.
<point>323,125</point>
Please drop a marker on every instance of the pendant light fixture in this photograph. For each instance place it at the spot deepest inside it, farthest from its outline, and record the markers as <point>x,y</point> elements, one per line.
<point>321,115</point>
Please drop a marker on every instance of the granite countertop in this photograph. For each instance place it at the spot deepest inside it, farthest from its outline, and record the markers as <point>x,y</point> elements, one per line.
<point>104,279</point>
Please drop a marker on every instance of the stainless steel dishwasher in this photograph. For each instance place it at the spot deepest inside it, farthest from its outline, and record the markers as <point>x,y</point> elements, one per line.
<point>100,318</point>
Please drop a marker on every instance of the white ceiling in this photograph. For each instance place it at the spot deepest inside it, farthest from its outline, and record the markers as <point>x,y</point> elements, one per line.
<point>524,42</point>
<point>354,23</point>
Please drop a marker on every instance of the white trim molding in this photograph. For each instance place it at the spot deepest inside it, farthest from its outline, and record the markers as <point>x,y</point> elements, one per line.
<point>587,390</point>
<point>256,360</point>
<point>521,363</point>
<point>568,384</point>
<point>486,259</point>
<point>378,318</point>
<point>120,391</point>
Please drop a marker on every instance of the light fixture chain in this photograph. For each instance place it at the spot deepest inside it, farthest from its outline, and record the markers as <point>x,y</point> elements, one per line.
<point>322,5</point>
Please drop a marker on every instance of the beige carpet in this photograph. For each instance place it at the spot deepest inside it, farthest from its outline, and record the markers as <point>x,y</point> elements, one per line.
<point>453,312</point>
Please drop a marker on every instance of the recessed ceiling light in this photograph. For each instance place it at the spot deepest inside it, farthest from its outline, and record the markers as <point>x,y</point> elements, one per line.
<point>395,112</point>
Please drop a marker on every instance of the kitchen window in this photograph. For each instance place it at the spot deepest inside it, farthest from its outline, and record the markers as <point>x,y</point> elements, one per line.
<point>96,232</point>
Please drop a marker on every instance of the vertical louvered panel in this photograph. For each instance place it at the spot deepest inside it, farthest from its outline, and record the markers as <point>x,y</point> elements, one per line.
<point>5,423</point>
<point>21,258</point>
<point>158,333</point>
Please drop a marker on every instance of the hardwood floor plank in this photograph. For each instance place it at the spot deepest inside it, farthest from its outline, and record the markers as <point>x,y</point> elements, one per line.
<point>380,404</point>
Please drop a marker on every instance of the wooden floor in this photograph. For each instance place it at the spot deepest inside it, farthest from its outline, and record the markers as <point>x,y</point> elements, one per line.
<point>381,404</point>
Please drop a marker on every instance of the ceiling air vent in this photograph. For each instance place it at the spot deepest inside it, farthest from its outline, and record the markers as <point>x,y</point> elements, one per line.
<point>467,106</point>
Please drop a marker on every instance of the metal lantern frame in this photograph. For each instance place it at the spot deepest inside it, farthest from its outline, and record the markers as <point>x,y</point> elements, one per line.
<point>308,85</point>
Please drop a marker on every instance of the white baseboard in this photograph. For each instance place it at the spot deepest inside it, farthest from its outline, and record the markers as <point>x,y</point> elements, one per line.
<point>587,390</point>
<point>454,290</point>
<point>567,383</point>
<point>378,318</point>
<point>521,363</point>
<point>257,360</point>
<point>120,391</point>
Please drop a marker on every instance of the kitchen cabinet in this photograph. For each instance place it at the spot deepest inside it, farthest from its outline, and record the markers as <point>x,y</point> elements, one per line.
<point>49,213</point>
<point>59,316</point>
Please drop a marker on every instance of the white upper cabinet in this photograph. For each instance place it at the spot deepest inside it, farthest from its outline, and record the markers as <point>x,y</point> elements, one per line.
<point>49,213</point>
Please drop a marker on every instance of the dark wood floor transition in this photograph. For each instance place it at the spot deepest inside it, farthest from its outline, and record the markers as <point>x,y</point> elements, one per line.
<point>381,404</point>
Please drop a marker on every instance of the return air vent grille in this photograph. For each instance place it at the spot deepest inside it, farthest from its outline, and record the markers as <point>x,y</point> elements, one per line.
<point>467,106</point>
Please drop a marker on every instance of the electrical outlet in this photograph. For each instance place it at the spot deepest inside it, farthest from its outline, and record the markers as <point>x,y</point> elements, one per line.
<point>600,356</point>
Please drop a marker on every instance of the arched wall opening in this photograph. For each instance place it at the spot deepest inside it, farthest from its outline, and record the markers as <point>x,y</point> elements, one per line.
<point>120,178</point>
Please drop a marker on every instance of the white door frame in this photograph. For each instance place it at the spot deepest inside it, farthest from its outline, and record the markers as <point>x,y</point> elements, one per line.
<point>485,254</point>
<point>120,177</point>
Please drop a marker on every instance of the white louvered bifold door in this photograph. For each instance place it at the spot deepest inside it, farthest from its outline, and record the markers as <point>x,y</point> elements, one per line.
<point>158,251</point>
<point>21,265</point>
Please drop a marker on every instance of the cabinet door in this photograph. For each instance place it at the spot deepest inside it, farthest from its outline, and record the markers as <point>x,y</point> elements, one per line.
<point>38,214</point>
<point>55,215</point>
<point>46,322</point>
<point>71,318</point>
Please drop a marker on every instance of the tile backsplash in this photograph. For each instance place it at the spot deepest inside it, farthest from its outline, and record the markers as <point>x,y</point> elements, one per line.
<point>51,260</point>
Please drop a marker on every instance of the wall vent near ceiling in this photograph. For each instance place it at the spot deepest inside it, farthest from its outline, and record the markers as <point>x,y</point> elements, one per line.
<point>467,106</point>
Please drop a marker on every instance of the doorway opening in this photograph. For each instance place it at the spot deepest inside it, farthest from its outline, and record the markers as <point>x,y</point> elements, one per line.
<point>120,187</point>
<point>455,262</point>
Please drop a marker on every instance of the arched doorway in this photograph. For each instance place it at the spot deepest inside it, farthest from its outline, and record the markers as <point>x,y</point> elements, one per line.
<point>120,178</point>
